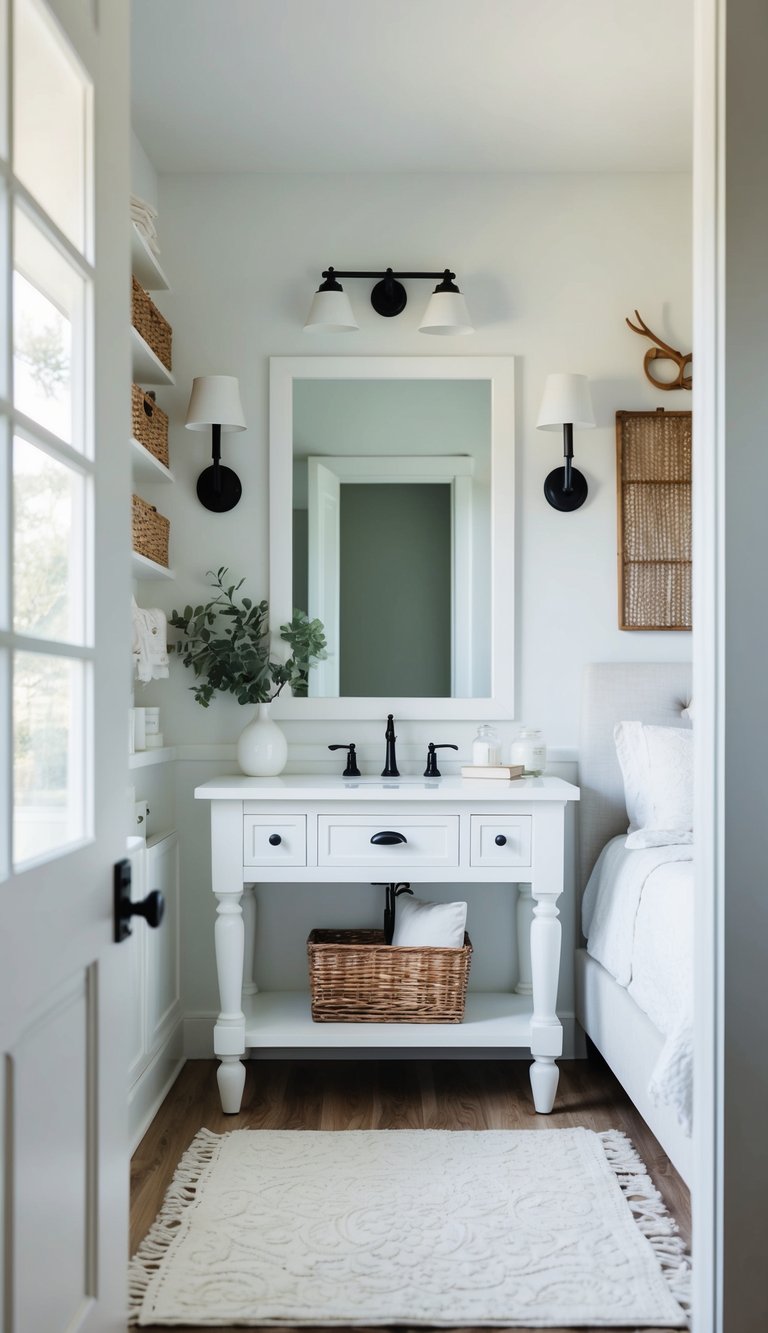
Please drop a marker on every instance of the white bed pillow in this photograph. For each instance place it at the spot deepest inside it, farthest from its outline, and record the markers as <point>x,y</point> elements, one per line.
<point>432,925</point>
<point>657,767</point>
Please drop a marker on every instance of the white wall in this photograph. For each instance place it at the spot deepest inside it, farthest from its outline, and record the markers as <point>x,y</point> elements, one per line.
<point>143,174</point>
<point>550,267</point>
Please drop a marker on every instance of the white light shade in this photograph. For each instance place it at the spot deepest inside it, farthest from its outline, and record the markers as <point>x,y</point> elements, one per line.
<point>566,401</point>
<point>446,314</point>
<point>330,312</point>
<point>215,401</point>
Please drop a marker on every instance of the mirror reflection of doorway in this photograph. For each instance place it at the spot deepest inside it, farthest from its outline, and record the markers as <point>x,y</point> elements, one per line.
<point>395,557</point>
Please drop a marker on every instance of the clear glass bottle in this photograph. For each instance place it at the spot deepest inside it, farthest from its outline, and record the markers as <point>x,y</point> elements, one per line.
<point>529,749</point>
<point>486,747</point>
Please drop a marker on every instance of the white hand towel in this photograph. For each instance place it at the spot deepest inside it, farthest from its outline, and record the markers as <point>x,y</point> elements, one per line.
<point>150,642</point>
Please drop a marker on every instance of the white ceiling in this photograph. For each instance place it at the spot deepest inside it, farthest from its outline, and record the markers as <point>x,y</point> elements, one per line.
<point>413,85</point>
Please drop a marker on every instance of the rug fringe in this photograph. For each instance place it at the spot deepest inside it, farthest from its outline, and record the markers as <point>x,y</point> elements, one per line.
<point>182,1191</point>
<point>650,1213</point>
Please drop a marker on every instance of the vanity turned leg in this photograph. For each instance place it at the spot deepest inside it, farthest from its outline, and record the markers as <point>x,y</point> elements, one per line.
<point>546,1029</point>
<point>249,931</point>
<point>230,1077</point>
<point>229,1032</point>
<point>524,917</point>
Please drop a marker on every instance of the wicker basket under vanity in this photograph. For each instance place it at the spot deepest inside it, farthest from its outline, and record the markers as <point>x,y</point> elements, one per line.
<point>355,977</point>
<point>150,324</point>
<point>149,424</point>
<point>150,531</point>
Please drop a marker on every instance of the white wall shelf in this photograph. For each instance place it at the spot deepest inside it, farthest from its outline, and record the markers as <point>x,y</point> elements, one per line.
<point>145,266</point>
<point>147,368</point>
<point>145,466</point>
<point>148,758</point>
<point>144,568</point>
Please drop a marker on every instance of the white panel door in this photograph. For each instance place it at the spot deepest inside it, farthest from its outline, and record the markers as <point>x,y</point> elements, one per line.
<point>64,662</point>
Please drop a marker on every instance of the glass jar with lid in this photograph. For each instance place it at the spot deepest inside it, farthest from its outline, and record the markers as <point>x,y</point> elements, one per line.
<point>486,747</point>
<point>529,749</point>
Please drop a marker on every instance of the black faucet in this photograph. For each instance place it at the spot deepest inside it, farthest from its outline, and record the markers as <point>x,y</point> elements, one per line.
<point>351,770</point>
<point>390,769</point>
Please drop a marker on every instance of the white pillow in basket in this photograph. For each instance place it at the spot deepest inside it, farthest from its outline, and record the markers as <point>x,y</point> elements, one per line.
<point>430,925</point>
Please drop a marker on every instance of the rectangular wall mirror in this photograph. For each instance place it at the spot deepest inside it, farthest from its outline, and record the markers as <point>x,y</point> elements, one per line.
<point>391,519</point>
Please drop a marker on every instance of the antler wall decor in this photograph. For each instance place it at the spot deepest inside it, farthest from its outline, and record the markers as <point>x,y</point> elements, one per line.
<point>663,351</point>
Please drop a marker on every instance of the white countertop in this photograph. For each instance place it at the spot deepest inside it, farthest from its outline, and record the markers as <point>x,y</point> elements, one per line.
<point>326,787</point>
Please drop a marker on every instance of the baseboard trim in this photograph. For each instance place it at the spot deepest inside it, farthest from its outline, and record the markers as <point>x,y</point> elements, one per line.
<point>154,1083</point>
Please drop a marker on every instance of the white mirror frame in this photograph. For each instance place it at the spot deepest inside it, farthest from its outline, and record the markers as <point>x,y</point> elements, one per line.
<point>499,371</point>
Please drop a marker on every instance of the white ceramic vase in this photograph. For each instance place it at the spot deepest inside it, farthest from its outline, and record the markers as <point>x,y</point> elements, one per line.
<point>262,750</point>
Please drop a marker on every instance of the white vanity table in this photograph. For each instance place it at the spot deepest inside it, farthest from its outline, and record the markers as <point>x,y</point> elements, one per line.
<point>318,829</point>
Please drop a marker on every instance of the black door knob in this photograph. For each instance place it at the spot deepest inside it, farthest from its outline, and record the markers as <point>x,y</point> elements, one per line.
<point>500,840</point>
<point>387,839</point>
<point>275,840</point>
<point>152,908</point>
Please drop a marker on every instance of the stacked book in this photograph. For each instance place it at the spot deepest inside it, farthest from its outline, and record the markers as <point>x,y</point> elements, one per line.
<point>505,772</point>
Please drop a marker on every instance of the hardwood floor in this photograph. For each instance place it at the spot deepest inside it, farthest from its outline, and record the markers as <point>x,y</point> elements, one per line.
<point>388,1094</point>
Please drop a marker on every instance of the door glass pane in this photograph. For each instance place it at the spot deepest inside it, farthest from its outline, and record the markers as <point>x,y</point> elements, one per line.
<point>49,335</point>
<point>50,799</point>
<point>51,107</point>
<point>48,546</point>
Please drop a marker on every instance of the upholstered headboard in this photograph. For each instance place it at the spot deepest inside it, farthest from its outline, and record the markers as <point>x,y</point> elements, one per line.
<point>654,692</point>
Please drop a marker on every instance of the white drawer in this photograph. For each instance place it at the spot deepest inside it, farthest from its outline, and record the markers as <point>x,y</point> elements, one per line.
<point>413,840</point>
<point>500,840</point>
<point>274,840</point>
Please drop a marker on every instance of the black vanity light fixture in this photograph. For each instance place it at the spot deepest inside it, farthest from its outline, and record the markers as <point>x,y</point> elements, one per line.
<point>566,403</point>
<point>214,405</point>
<point>331,311</point>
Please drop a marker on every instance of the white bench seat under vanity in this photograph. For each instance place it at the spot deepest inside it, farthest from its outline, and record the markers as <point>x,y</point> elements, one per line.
<point>319,829</point>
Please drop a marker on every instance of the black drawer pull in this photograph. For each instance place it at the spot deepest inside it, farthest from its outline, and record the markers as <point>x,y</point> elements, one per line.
<point>388,839</point>
<point>275,840</point>
<point>500,840</point>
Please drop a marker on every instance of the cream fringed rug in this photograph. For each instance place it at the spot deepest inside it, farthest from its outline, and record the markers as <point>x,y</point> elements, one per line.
<point>538,1228</point>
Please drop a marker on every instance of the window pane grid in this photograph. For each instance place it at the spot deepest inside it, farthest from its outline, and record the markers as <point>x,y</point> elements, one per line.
<point>51,745</point>
<point>51,121</point>
<point>46,444</point>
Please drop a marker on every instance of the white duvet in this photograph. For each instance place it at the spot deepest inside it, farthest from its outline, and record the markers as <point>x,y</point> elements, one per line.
<point>637,916</point>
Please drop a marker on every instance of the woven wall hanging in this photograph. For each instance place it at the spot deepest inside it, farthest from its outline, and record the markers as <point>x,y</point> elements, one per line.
<point>653,473</point>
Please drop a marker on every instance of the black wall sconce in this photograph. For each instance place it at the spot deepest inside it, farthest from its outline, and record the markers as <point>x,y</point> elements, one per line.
<point>566,403</point>
<point>215,404</point>
<point>331,311</point>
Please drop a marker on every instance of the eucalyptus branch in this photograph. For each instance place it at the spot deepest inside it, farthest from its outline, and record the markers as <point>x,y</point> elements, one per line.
<point>226,643</point>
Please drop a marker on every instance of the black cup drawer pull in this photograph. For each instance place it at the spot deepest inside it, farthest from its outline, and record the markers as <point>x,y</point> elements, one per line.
<point>388,839</point>
<point>275,840</point>
<point>500,840</point>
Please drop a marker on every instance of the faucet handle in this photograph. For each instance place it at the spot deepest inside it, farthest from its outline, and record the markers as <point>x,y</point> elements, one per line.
<point>432,771</point>
<point>351,771</point>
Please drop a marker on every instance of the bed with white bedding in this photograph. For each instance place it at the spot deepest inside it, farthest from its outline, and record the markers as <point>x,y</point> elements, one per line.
<point>635,976</point>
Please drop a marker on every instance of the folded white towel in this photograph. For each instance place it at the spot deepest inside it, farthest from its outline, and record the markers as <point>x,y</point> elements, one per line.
<point>150,642</point>
<point>141,206</point>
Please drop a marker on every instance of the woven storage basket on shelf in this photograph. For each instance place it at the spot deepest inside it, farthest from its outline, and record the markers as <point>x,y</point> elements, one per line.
<point>355,977</point>
<point>149,424</point>
<point>150,324</point>
<point>150,531</point>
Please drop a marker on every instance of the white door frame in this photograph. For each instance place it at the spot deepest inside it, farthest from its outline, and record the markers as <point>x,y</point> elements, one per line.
<point>325,476</point>
<point>730,1196</point>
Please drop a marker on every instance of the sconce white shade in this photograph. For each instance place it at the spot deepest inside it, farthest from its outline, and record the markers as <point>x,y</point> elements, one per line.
<point>566,401</point>
<point>215,401</point>
<point>330,312</point>
<point>446,314</point>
